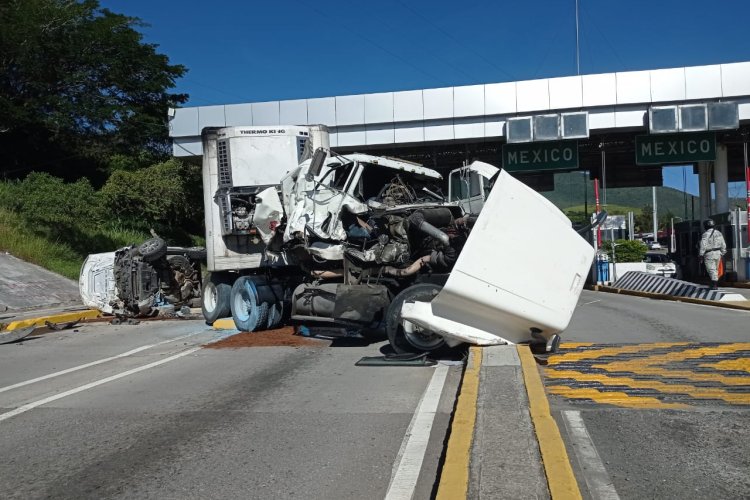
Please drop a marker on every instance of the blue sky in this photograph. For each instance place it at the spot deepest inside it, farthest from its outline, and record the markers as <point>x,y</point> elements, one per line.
<point>242,51</point>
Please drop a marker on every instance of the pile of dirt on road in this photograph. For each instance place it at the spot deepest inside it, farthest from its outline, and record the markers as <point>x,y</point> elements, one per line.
<point>284,337</point>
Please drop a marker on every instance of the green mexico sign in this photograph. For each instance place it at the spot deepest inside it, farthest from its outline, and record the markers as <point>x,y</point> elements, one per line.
<point>659,149</point>
<point>536,156</point>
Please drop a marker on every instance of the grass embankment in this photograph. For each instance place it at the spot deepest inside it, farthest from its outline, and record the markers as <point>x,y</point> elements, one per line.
<point>611,208</point>
<point>58,256</point>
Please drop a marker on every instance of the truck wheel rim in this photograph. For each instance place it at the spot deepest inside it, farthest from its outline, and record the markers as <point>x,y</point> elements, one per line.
<point>150,246</point>
<point>420,338</point>
<point>241,308</point>
<point>245,304</point>
<point>210,299</point>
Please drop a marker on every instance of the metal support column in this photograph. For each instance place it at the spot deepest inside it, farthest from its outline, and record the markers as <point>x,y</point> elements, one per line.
<point>704,189</point>
<point>721,179</point>
<point>655,215</point>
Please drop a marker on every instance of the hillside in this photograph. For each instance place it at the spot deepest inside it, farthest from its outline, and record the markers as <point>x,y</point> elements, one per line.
<point>569,192</point>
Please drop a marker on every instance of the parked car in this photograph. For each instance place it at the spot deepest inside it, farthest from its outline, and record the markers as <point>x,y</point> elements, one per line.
<point>138,280</point>
<point>661,264</point>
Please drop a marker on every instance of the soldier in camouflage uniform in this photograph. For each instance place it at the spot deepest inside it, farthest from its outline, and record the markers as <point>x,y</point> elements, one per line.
<point>711,249</point>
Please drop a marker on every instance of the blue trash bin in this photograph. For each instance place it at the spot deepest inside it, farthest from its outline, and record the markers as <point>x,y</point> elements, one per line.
<point>602,269</point>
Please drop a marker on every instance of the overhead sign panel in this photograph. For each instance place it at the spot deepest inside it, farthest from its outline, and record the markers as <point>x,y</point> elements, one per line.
<point>537,156</point>
<point>674,148</point>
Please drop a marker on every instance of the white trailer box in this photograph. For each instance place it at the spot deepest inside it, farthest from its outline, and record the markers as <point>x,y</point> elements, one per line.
<point>238,164</point>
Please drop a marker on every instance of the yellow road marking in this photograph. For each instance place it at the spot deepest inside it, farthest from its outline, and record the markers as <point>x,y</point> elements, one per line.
<point>562,483</point>
<point>638,365</point>
<point>678,374</point>
<point>610,351</point>
<point>575,345</point>
<point>454,479</point>
<point>742,365</point>
<point>665,371</point>
<point>669,374</point>
<point>613,398</point>
<point>695,392</point>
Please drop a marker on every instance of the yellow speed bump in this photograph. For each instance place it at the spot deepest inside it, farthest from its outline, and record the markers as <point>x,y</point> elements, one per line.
<point>560,478</point>
<point>659,375</point>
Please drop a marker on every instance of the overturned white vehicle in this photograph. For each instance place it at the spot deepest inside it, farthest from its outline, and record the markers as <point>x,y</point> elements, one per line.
<point>367,243</point>
<point>142,280</point>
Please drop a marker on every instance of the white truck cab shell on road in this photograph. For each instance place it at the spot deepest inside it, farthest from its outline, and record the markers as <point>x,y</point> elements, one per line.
<point>522,268</point>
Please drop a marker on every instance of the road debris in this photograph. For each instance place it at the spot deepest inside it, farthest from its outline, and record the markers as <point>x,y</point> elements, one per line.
<point>61,326</point>
<point>8,336</point>
<point>281,337</point>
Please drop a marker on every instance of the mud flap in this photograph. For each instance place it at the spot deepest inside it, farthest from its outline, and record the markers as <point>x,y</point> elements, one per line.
<point>420,359</point>
<point>8,336</point>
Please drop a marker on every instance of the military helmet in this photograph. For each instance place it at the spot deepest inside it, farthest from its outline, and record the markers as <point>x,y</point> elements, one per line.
<point>708,224</point>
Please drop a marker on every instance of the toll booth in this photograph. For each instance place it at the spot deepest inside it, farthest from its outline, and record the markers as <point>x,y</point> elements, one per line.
<point>733,226</point>
<point>688,236</point>
<point>614,227</point>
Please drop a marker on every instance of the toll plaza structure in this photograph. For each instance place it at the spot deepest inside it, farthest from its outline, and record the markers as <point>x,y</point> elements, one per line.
<point>621,128</point>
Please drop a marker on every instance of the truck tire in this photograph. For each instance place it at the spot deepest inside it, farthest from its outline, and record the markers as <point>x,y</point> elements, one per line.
<point>406,337</point>
<point>275,314</point>
<point>248,312</point>
<point>215,298</point>
<point>182,264</point>
<point>196,253</point>
<point>153,249</point>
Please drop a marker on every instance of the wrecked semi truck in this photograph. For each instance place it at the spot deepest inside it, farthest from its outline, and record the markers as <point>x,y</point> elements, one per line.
<point>295,232</point>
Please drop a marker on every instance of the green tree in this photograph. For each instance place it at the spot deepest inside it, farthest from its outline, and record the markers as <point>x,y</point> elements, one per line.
<point>627,251</point>
<point>78,84</point>
<point>665,219</point>
<point>52,206</point>
<point>644,221</point>
<point>577,217</point>
<point>166,197</point>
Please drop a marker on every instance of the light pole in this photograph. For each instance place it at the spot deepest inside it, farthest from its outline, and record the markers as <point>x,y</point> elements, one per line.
<point>672,239</point>
<point>578,58</point>
<point>614,255</point>
<point>655,215</point>
<point>585,193</point>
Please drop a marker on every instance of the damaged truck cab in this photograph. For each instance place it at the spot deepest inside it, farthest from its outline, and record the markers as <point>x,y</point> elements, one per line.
<point>295,232</point>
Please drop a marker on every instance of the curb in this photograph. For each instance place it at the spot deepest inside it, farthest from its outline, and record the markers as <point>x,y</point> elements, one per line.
<point>661,296</point>
<point>54,318</point>
<point>454,478</point>
<point>560,478</point>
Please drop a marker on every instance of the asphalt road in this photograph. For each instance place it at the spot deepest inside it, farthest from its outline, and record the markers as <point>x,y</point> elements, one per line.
<point>145,412</point>
<point>176,421</point>
<point>663,419</point>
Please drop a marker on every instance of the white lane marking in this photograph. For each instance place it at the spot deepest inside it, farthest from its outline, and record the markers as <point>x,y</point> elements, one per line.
<point>31,406</point>
<point>94,363</point>
<point>597,479</point>
<point>592,302</point>
<point>414,446</point>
